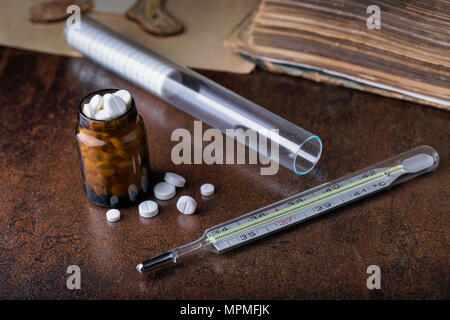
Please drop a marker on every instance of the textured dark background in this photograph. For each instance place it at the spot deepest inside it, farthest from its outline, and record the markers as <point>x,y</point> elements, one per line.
<point>46,222</point>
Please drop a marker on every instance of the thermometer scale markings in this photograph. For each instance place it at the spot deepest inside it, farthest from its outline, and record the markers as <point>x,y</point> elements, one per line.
<point>300,209</point>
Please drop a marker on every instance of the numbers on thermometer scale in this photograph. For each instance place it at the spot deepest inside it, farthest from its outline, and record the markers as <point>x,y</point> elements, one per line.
<point>331,188</point>
<point>247,235</point>
<point>292,211</point>
<point>257,216</point>
<point>368,174</point>
<point>285,221</point>
<point>360,192</point>
<point>214,232</point>
<point>322,206</point>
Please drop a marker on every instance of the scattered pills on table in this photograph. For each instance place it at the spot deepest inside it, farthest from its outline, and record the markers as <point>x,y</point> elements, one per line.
<point>113,215</point>
<point>96,102</point>
<point>164,191</point>
<point>186,205</point>
<point>148,209</point>
<point>174,179</point>
<point>207,189</point>
<point>114,105</point>
<point>124,95</point>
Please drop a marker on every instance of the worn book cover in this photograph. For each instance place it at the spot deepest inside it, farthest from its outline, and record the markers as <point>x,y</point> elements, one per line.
<point>406,56</point>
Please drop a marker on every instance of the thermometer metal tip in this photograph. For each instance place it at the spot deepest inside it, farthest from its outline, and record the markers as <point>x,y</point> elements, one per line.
<point>158,261</point>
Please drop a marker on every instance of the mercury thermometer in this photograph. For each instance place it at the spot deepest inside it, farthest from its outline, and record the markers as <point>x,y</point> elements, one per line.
<point>303,206</point>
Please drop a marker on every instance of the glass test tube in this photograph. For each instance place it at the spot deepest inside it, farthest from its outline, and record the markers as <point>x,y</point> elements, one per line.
<point>290,145</point>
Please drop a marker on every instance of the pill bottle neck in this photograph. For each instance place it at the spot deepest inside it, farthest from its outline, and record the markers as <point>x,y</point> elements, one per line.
<point>129,118</point>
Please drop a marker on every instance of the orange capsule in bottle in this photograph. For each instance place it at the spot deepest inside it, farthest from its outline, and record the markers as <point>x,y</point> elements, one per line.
<point>107,150</point>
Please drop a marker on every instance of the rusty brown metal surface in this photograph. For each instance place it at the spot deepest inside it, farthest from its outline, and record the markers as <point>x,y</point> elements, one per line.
<point>47,223</point>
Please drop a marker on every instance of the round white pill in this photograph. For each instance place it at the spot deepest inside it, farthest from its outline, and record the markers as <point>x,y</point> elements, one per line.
<point>174,179</point>
<point>96,102</point>
<point>88,111</point>
<point>124,95</point>
<point>148,209</point>
<point>186,205</point>
<point>164,191</point>
<point>102,115</point>
<point>113,215</point>
<point>207,189</point>
<point>114,105</point>
<point>105,96</point>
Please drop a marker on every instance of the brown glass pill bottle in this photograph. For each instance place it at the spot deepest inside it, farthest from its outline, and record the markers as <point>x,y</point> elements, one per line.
<point>114,156</point>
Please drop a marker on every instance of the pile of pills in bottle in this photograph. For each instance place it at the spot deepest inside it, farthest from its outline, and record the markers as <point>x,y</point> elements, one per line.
<point>108,106</point>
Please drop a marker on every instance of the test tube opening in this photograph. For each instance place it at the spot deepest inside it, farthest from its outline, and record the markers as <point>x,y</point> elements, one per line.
<point>308,155</point>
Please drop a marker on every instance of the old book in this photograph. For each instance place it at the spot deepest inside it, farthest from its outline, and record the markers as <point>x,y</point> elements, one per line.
<point>330,41</point>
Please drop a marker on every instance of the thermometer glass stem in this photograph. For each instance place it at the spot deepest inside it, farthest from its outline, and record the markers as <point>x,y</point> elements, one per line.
<point>304,206</point>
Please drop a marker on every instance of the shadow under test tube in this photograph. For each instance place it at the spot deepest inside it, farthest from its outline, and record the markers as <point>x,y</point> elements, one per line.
<point>295,148</point>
